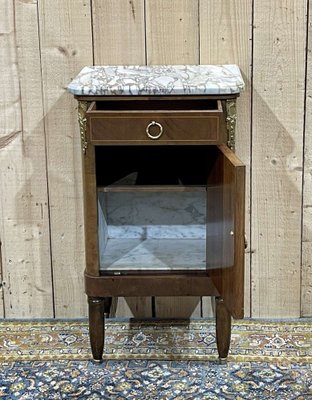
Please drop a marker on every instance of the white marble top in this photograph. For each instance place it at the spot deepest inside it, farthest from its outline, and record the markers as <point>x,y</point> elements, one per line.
<point>157,80</point>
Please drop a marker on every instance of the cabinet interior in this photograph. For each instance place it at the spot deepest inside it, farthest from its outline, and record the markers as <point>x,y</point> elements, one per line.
<point>156,105</point>
<point>152,207</point>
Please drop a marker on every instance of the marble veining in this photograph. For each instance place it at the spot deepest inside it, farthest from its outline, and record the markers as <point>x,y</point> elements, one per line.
<point>154,215</point>
<point>157,231</point>
<point>163,230</point>
<point>141,230</point>
<point>157,80</point>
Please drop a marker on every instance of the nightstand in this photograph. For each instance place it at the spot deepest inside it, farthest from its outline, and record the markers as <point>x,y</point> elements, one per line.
<point>163,190</point>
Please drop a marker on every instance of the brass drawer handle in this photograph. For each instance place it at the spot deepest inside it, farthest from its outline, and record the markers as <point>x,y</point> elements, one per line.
<point>153,123</point>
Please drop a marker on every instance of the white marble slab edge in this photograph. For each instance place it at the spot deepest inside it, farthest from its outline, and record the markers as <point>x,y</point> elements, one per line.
<point>130,80</point>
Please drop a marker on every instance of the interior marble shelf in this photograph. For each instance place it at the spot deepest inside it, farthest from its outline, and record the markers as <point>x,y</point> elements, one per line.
<point>154,254</point>
<point>152,230</point>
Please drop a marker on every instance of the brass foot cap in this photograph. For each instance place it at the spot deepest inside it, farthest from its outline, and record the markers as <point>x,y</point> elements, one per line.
<point>222,360</point>
<point>97,361</point>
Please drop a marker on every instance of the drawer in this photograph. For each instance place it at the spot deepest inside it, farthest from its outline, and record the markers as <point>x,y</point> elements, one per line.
<point>188,122</point>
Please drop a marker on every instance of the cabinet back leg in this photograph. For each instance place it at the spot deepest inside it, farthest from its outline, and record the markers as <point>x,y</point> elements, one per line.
<point>223,329</point>
<point>107,306</point>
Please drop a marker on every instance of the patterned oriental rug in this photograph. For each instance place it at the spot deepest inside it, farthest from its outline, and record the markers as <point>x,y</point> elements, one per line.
<point>156,360</point>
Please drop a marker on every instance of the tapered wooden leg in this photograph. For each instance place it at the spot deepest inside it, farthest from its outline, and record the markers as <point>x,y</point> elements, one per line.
<point>96,327</point>
<point>223,329</point>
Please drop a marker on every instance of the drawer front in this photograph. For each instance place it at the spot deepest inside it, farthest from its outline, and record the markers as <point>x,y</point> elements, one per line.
<point>152,127</point>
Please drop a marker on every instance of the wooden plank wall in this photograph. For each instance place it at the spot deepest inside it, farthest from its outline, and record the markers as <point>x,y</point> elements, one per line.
<point>279,42</point>
<point>24,229</point>
<point>230,26</point>
<point>44,44</point>
<point>66,45</point>
<point>306,279</point>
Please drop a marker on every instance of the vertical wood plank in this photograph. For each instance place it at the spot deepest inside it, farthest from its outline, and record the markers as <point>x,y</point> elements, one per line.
<point>172,32</point>
<point>172,37</point>
<point>66,47</point>
<point>24,207</point>
<point>121,23</point>
<point>306,289</point>
<point>208,306</point>
<point>178,307</point>
<point>134,307</point>
<point>1,281</point>
<point>306,278</point>
<point>10,109</point>
<point>225,38</point>
<point>278,104</point>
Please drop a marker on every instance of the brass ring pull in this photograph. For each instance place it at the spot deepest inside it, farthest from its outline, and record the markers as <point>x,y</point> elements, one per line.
<point>153,123</point>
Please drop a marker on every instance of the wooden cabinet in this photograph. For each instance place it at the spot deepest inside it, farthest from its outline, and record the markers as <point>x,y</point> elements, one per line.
<point>164,201</point>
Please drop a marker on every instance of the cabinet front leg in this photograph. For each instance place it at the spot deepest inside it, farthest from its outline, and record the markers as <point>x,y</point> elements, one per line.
<point>96,327</point>
<point>223,329</point>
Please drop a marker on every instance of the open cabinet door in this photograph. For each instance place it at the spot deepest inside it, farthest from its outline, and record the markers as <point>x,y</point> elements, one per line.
<point>225,227</point>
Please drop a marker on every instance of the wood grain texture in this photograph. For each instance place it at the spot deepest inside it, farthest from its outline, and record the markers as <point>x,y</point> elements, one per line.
<point>151,284</point>
<point>306,296</point>
<point>172,37</point>
<point>172,33</point>
<point>223,328</point>
<point>306,277</point>
<point>134,307</point>
<point>90,211</point>
<point>66,46</point>
<point>225,38</point>
<point>66,39</point>
<point>24,211</point>
<point>96,327</point>
<point>225,242</point>
<point>178,128</point>
<point>10,108</point>
<point>183,307</point>
<point>208,307</point>
<point>1,282</point>
<point>121,23</point>
<point>278,103</point>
